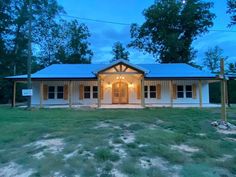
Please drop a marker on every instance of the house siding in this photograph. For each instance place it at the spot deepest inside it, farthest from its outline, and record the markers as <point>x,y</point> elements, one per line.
<point>165,94</point>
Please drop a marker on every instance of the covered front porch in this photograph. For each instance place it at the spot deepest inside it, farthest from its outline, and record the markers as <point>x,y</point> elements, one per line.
<point>120,84</point>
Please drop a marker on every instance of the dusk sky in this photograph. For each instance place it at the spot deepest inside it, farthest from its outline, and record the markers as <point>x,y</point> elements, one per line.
<point>103,35</point>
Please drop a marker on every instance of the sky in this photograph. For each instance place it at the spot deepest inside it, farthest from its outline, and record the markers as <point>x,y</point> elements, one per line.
<point>104,35</point>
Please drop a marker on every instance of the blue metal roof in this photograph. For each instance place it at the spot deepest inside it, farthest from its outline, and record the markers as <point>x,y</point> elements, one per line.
<point>88,71</point>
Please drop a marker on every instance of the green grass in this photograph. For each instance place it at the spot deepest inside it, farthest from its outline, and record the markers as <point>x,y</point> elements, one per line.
<point>155,130</point>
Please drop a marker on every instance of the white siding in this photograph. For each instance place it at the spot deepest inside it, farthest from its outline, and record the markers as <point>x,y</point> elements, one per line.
<point>75,93</point>
<point>107,84</point>
<point>165,93</point>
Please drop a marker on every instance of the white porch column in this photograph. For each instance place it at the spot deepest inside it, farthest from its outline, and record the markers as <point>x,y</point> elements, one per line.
<point>14,94</point>
<point>171,92</point>
<point>200,93</point>
<point>41,94</point>
<point>142,92</point>
<point>99,91</point>
<point>70,94</point>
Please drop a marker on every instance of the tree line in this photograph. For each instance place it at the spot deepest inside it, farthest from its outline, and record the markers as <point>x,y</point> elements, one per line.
<point>167,34</point>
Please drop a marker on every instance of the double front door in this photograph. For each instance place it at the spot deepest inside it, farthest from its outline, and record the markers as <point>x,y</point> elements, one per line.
<point>120,93</point>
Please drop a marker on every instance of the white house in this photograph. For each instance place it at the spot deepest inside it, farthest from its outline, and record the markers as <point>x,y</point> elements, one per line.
<point>119,83</point>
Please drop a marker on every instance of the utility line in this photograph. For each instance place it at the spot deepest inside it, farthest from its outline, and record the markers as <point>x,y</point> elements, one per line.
<point>128,24</point>
<point>98,21</point>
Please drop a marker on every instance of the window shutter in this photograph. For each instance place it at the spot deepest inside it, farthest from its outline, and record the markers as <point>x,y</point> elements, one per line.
<point>194,91</point>
<point>65,94</point>
<point>174,91</point>
<point>81,92</point>
<point>138,91</point>
<point>101,92</point>
<point>158,90</point>
<point>45,92</point>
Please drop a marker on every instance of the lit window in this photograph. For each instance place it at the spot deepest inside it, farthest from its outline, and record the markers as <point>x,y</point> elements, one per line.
<point>51,92</point>
<point>86,91</point>
<point>95,91</point>
<point>60,92</point>
<point>189,91</point>
<point>146,91</point>
<point>180,91</point>
<point>152,91</point>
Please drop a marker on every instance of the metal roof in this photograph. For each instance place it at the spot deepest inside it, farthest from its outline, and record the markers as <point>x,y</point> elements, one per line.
<point>88,71</point>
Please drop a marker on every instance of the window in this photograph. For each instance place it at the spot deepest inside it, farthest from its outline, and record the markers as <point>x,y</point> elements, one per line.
<point>189,91</point>
<point>153,91</point>
<point>86,91</point>
<point>145,91</point>
<point>180,91</point>
<point>51,92</point>
<point>95,91</point>
<point>60,92</point>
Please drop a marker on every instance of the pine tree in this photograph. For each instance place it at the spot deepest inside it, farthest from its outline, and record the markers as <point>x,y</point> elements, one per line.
<point>119,52</point>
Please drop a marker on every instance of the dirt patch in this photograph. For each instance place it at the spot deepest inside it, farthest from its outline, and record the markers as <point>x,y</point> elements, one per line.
<point>142,145</point>
<point>224,157</point>
<point>70,155</point>
<point>102,125</point>
<point>110,142</point>
<point>50,146</point>
<point>87,154</point>
<point>201,134</point>
<point>230,139</point>
<point>39,155</point>
<point>120,151</point>
<point>13,169</point>
<point>116,173</point>
<point>117,148</point>
<point>184,148</point>
<point>128,137</point>
<point>163,165</point>
<point>73,153</point>
<point>227,132</point>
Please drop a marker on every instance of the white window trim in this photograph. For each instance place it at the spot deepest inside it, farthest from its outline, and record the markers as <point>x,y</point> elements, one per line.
<point>55,92</point>
<point>188,91</point>
<point>149,91</point>
<point>90,92</point>
<point>94,92</point>
<point>184,91</point>
<point>152,92</point>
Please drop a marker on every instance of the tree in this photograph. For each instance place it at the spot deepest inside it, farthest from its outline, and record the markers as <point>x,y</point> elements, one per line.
<point>77,46</point>
<point>232,11</point>
<point>14,17</point>
<point>232,68</point>
<point>170,28</point>
<point>212,59</point>
<point>119,52</point>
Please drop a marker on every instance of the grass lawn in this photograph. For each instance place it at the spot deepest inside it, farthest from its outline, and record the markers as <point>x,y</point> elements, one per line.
<point>150,142</point>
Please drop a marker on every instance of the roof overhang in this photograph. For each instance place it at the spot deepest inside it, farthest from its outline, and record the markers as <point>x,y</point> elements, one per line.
<point>181,78</point>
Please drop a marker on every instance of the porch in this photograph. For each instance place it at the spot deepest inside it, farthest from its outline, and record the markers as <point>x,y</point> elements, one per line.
<point>82,94</point>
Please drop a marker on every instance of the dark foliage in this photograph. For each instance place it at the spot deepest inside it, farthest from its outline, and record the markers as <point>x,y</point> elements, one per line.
<point>170,28</point>
<point>119,52</point>
<point>232,11</point>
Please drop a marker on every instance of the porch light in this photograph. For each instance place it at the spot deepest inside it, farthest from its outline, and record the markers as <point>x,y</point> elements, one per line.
<point>108,85</point>
<point>120,77</point>
<point>131,85</point>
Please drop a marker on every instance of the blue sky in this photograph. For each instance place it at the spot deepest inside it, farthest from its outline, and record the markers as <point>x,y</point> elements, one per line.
<point>104,35</point>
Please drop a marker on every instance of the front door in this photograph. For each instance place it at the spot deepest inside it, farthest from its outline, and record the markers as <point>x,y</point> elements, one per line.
<point>120,93</point>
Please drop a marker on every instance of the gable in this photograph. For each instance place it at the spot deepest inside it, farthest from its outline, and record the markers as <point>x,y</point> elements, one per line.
<point>121,67</point>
